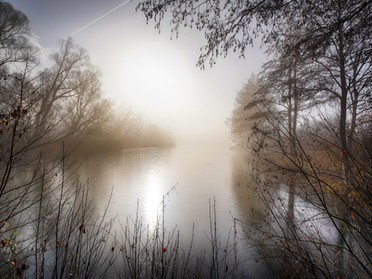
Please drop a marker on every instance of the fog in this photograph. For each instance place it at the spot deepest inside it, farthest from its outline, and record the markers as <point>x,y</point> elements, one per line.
<point>132,152</point>
<point>154,75</point>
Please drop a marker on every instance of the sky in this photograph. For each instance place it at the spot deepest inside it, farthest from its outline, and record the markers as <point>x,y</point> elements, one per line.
<point>153,75</point>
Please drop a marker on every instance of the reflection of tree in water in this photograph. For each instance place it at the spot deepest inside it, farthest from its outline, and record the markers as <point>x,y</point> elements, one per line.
<point>252,219</point>
<point>246,197</point>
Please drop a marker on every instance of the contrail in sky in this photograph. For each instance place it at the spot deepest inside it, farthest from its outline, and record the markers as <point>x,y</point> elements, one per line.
<point>99,18</point>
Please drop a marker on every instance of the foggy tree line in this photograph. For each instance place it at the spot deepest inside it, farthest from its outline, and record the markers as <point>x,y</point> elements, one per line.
<point>305,122</point>
<point>61,101</point>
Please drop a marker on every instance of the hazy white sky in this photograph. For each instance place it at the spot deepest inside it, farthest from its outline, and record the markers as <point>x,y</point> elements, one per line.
<point>156,76</point>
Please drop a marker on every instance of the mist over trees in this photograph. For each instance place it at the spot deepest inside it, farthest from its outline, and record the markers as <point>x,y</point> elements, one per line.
<point>304,121</point>
<point>63,100</point>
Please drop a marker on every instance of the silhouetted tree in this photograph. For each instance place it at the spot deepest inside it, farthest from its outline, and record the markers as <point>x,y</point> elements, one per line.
<point>87,108</point>
<point>15,45</point>
<point>62,82</point>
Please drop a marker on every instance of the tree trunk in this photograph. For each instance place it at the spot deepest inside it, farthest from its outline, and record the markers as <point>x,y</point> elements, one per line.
<point>292,123</point>
<point>343,146</point>
<point>354,111</point>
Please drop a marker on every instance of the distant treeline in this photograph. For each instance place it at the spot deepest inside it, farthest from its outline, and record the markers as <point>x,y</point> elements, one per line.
<point>133,133</point>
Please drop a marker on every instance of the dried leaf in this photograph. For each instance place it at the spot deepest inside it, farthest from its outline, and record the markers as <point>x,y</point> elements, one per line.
<point>82,229</point>
<point>352,215</point>
<point>4,242</point>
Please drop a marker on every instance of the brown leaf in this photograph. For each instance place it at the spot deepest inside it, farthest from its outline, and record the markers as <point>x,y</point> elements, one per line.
<point>82,229</point>
<point>352,215</point>
<point>4,242</point>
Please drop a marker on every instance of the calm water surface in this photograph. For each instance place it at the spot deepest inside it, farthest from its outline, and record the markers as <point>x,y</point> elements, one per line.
<point>189,177</point>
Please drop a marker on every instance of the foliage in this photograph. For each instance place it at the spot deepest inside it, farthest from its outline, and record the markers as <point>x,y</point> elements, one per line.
<point>233,25</point>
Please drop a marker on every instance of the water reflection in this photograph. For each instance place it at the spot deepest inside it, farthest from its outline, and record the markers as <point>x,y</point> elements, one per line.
<point>145,176</point>
<point>201,174</point>
<point>153,197</point>
<point>247,199</point>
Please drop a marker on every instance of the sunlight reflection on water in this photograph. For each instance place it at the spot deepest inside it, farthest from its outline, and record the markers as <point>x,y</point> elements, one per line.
<point>153,198</point>
<point>201,173</point>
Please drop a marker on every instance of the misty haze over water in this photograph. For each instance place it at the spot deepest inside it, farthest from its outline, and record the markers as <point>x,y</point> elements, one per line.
<point>188,176</point>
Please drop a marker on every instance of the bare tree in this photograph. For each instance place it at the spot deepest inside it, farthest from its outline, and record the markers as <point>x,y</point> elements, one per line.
<point>14,36</point>
<point>60,82</point>
<point>87,108</point>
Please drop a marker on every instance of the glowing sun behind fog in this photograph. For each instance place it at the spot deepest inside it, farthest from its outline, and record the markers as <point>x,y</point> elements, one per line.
<point>156,75</point>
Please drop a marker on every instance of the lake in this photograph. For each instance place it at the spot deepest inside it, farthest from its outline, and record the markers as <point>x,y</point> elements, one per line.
<point>189,178</point>
<point>193,181</point>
